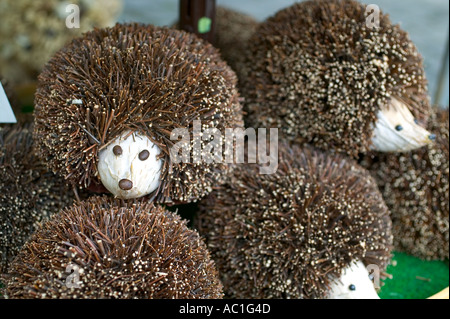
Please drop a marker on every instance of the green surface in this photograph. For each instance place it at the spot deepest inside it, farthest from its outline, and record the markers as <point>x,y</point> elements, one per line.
<point>27,109</point>
<point>413,278</point>
<point>186,211</point>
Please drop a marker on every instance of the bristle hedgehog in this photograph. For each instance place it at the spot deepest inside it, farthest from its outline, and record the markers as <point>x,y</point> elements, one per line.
<point>107,103</point>
<point>29,194</point>
<point>296,233</point>
<point>318,72</point>
<point>116,249</point>
<point>32,31</point>
<point>415,186</point>
<point>233,31</point>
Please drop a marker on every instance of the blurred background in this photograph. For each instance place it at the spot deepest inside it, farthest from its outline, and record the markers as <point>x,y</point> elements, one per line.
<point>427,22</point>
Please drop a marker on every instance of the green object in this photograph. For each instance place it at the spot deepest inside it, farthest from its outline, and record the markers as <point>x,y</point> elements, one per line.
<point>414,278</point>
<point>186,211</point>
<point>27,109</point>
<point>204,25</point>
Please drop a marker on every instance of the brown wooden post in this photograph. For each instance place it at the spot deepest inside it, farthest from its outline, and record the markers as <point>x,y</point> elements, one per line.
<point>198,16</point>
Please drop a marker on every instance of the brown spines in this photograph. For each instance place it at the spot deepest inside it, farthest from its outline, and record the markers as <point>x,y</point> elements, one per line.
<point>287,235</point>
<point>415,186</point>
<point>233,32</point>
<point>29,194</point>
<point>121,249</point>
<point>316,71</point>
<point>140,78</point>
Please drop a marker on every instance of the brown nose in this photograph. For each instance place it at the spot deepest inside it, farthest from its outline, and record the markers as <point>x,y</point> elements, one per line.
<point>126,184</point>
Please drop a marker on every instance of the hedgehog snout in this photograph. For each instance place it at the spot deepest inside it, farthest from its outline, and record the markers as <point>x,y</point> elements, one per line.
<point>354,283</point>
<point>125,184</point>
<point>129,167</point>
<point>397,130</point>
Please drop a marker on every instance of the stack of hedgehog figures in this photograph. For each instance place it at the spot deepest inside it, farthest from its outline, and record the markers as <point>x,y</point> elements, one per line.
<point>362,162</point>
<point>105,107</point>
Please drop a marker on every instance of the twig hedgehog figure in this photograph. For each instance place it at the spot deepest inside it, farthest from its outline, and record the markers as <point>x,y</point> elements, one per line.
<point>321,74</point>
<point>116,249</point>
<point>108,103</point>
<point>32,31</point>
<point>29,194</point>
<point>233,32</point>
<point>415,186</point>
<point>307,231</point>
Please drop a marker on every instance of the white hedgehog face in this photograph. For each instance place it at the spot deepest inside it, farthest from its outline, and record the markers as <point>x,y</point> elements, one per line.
<point>353,284</point>
<point>396,130</point>
<point>129,167</point>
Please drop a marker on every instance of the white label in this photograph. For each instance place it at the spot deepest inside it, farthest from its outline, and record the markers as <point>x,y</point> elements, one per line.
<point>6,112</point>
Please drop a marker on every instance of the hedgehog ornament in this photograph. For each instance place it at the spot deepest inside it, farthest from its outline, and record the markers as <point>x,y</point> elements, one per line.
<point>233,32</point>
<point>109,248</point>
<point>319,72</point>
<point>29,194</point>
<point>311,230</point>
<point>415,186</point>
<point>108,103</point>
<point>32,31</point>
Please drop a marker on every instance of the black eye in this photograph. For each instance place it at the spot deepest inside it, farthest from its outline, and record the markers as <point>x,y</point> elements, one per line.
<point>117,150</point>
<point>399,128</point>
<point>352,287</point>
<point>144,155</point>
